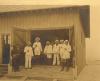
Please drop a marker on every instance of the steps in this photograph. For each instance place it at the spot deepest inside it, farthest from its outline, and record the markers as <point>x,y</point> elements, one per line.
<point>3,69</point>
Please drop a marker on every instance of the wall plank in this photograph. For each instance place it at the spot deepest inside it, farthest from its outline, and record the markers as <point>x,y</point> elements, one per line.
<point>80,44</point>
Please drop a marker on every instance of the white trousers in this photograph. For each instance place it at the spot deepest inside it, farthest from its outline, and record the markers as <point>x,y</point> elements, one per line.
<point>56,59</point>
<point>28,59</point>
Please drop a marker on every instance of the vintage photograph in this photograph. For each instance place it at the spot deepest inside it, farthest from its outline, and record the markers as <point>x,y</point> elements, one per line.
<point>43,42</point>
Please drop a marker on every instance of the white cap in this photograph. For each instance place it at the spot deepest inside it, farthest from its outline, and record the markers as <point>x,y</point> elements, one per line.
<point>61,40</point>
<point>56,40</point>
<point>37,38</point>
<point>47,41</point>
<point>29,43</point>
<point>66,40</point>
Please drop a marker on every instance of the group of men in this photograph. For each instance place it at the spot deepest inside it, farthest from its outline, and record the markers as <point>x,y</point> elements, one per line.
<point>56,54</point>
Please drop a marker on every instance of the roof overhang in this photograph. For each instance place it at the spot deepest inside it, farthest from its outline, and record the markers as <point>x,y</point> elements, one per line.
<point>84,11</point>
<point>85,18</point>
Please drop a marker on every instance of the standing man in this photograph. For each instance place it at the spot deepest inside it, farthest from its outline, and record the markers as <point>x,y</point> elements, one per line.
<point>61,47</point>
<point>28,55</point>
<point>56,50</point>
<point>62,54</point>
<point>67,52</point>
<point>37,49</point>
<point>48,52</point>
<point>15,53</point>
<point>65,56</point>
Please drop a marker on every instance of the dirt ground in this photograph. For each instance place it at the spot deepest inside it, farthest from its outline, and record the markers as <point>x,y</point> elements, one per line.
<point>40,73</point>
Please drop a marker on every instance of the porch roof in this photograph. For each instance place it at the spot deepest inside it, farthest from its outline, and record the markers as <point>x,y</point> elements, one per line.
<point>84,11</point>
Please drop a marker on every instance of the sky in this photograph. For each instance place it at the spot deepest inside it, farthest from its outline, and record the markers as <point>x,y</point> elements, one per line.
<point>92,43</point>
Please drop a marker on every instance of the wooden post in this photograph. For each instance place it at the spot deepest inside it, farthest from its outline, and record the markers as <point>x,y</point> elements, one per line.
<point>10,60</point>
<point>0,48</point>
<point>74,57</point>
<point>72,42</point>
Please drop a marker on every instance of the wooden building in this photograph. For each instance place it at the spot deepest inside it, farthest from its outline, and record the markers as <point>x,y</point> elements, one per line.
<point>69,22</point>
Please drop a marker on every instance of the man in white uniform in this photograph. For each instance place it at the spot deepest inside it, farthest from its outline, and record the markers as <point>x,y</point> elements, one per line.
<point>62,49</point>
<point>48,51</point>
<point>28,55</point>
<point>56,51</point>
<point>37,49</point>
<point>66,55</point>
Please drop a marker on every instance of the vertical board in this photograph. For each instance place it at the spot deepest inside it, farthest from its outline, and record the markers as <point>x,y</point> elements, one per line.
<point>79,43</point>
<point>0,48</point>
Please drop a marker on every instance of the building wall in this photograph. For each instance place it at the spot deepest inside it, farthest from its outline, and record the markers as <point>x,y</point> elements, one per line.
<point>80,44</point>
<point>46,19</point>
<point>35,19</point>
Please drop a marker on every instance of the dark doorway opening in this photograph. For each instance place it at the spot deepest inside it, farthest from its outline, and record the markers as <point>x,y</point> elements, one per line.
<point>5,49</point>
<point>44,34</point>
<point>50,35</point>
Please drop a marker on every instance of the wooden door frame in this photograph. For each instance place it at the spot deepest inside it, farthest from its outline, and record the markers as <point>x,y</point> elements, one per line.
<point>74,57</point>
<point>74,71</point>
<point>12,42</point>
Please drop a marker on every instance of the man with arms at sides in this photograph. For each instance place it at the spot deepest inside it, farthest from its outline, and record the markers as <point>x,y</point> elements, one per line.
<point>68,54</point>
<point>48,52</point>
<point>56,51</point>
<point>37,50</point>
<point>28,55</point>
<point>65,56</point>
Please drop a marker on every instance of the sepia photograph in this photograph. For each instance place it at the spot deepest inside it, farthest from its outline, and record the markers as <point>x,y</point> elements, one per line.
<point>47,43</point>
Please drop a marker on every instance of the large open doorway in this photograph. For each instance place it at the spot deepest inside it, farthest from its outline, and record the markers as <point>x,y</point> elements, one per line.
<point>21,36</point>
<point>5,48</point>
<point>50,35</point>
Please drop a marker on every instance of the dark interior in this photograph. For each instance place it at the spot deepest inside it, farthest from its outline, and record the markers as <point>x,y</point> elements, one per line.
<point>45,35</point>
<point>5,50</point>
<point>50,35</point>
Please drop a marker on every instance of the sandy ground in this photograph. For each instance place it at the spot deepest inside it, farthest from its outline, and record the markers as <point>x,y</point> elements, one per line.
<point>91,72</point>
<point>40,73</point>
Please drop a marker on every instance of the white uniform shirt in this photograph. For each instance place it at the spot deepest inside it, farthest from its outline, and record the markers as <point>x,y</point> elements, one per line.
<point>48,49</point>
<point>37,48</point>
<point>62,48</point>
<point>67,51</point>
<point>56,49</point>
<point>28,51</point>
